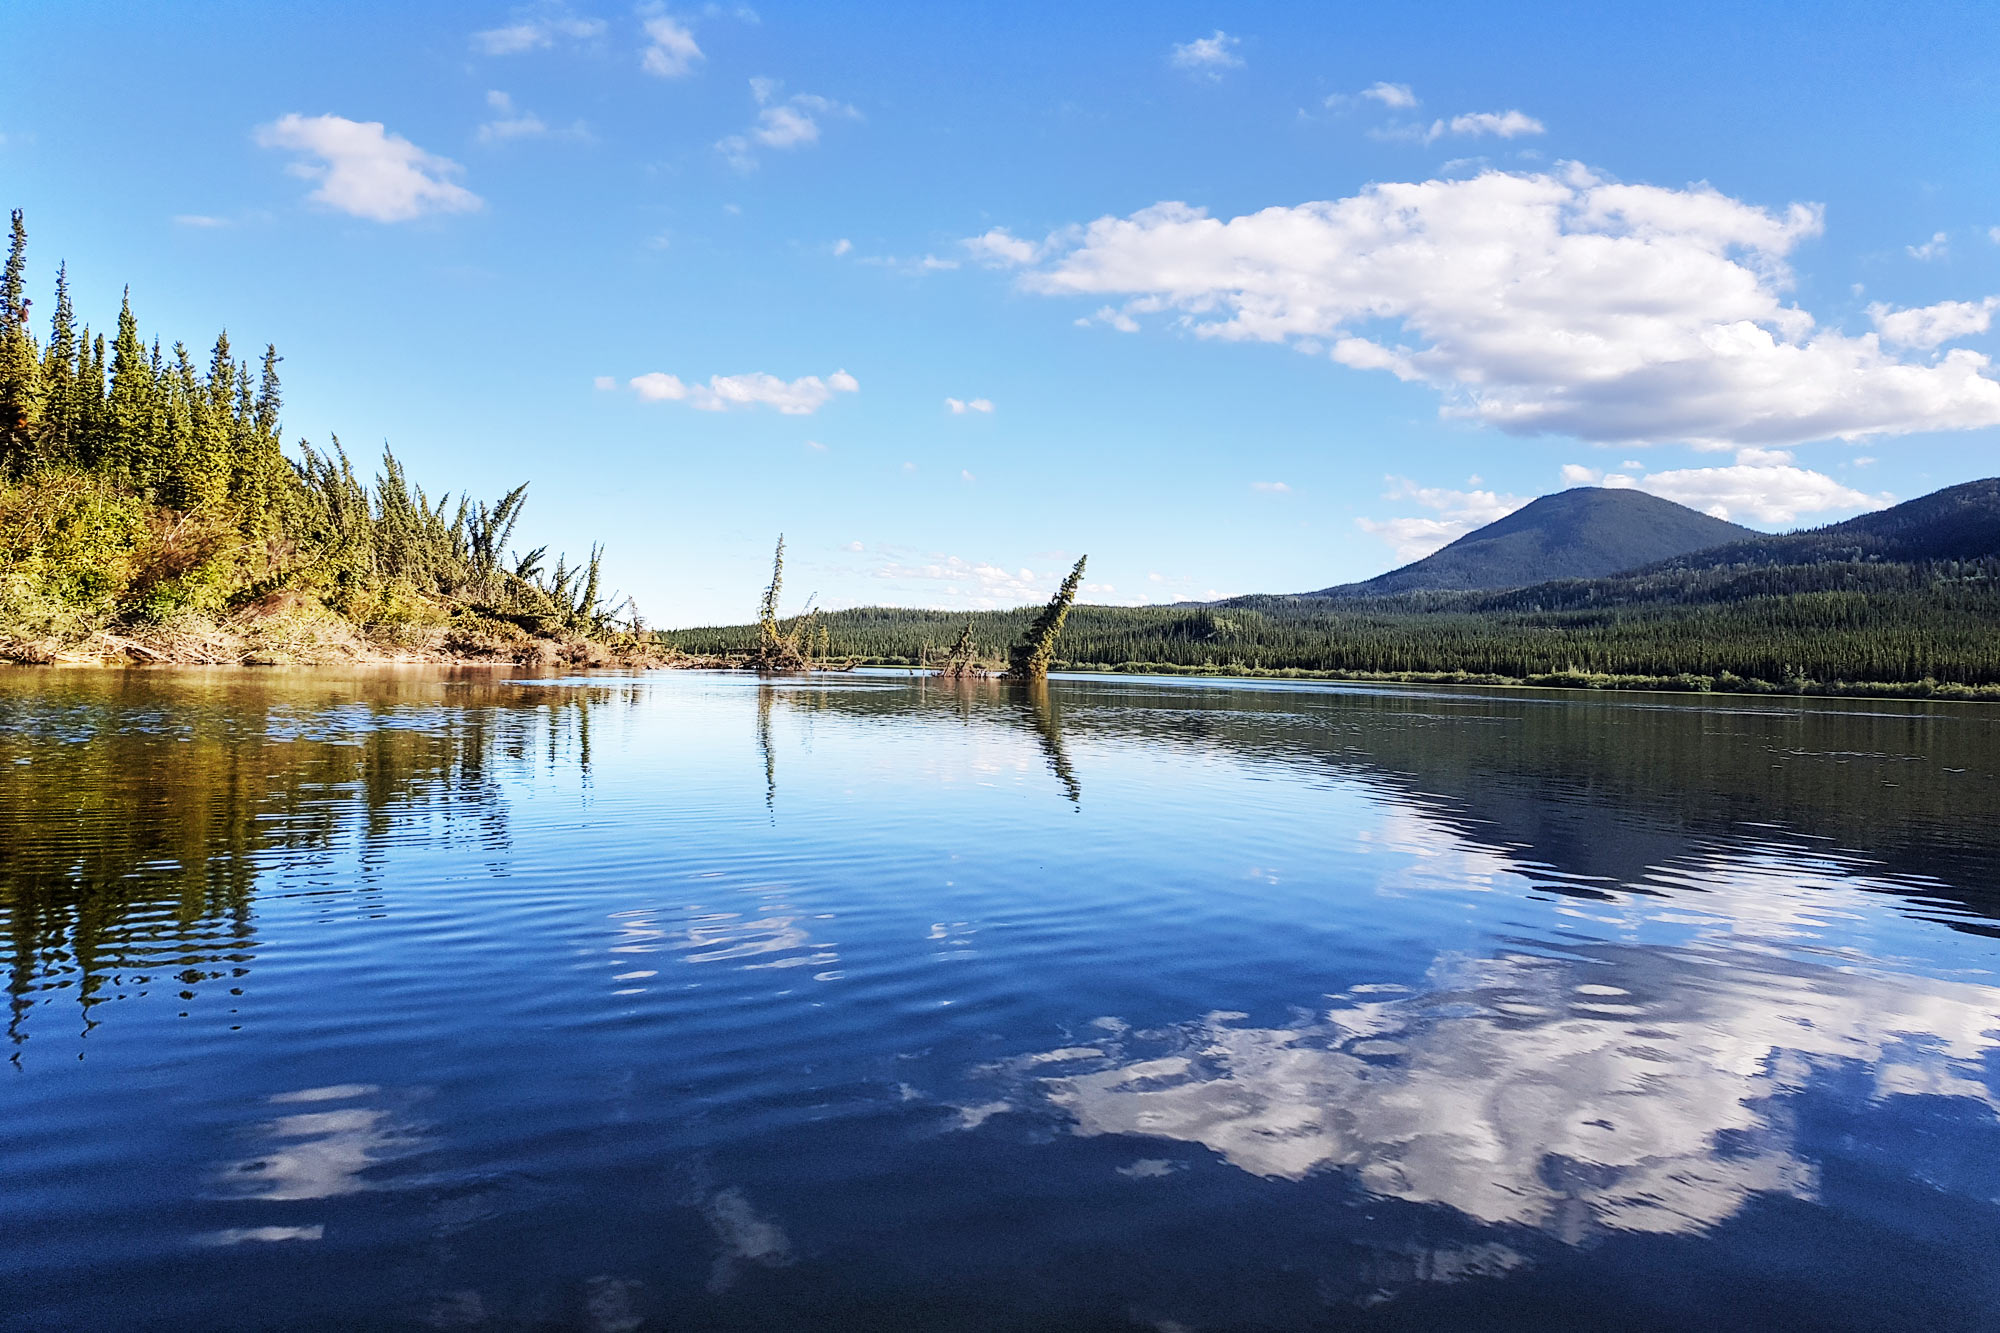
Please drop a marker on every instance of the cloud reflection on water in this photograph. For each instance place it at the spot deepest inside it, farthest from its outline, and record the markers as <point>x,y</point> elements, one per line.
<point>1599,1087</point>
<point>319,1154</point>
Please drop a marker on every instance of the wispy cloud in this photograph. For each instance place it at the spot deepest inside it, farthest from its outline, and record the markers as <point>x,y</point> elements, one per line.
<point>1937,247</point>
<point>365,171</point>
<point>1207,57</point>
<point>1472,124</point>
<point>790,123</point>
<point>1002,249</point>
<point>541,29</point>
<point>1271,487</point>
<point>1453,514</point>
<point>670,51</point>
<point>1396,96</point>
<point>1503,124</point>
<point>913,265</point>
<point>511,122</point>
<point>954,581</point>
<point>959,406</point>
<point>797,398</point>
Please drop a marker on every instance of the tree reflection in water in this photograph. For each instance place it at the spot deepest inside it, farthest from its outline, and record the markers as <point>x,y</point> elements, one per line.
<point>140,812</point>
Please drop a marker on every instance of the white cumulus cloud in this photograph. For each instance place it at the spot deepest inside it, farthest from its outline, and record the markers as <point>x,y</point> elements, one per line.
<point>1002,248</point>
<point>1540,303</point>
<point>670,50</point>
<point>1768,493</point>
<point>796,398</point>
<point>1453,514</point>
<point>1937,247</point>
<point>1928,326</point>
<point>1396,96</point>
<point>959,406</point>
<point>1764,486</point>
<point>1504,124</point>
<point>1207,56</point>
<point>364,170</point>
<point>788,124</point>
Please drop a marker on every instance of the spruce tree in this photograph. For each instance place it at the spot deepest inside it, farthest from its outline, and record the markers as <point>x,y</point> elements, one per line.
<point>178,479</point>
<point>90,406</point>
<point>60,389</point>
<point>204,463</point>
<point>129,404</point>
<point>1030,658</point>
<point>20,369</point>
<point>221,376</point>
<point>246,458</point>
<point>150,458</point>
<point>269,399</point>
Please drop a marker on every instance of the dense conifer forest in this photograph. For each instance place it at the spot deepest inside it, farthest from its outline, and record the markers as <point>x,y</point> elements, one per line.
<point>1906,601</point>
<point>147,509</point>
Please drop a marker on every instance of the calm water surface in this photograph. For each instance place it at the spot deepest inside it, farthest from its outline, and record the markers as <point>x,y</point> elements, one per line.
<point>444,1000</point>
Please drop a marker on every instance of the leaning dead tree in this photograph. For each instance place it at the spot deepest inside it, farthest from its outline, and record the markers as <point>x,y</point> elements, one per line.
<point>1029,659</point>
<point>780,649</point>
<point>961,660</point>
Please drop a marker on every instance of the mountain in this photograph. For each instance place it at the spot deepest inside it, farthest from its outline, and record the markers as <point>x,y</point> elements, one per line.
<point>1586,533</point>
<point>1957,523</point>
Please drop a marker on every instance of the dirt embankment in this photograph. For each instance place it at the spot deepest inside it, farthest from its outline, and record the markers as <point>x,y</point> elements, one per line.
<point>288,630</point>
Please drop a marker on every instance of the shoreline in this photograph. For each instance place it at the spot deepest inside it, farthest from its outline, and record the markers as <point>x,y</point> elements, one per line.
<point>329,641</point>
<point>1579,682</point>
<point>325,639</point>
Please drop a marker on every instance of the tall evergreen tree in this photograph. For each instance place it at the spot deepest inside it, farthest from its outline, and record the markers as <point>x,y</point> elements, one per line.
<point>1030,658</point>
<point>269,399</point>
<point>129,403</point>
<point>20,368</point>
<point>14,281</point>
<point>205,463</point>
<point>221,376</point>
<point>178,480</point>
<point>61,399</point>
<point>90,397</point>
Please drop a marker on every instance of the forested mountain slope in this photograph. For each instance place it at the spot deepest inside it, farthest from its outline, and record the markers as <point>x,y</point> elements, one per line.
<point>1584,533</point>
<point>1957,523</point>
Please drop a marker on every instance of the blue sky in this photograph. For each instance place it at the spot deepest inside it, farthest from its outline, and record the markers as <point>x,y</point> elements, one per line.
<point>1234,298</point>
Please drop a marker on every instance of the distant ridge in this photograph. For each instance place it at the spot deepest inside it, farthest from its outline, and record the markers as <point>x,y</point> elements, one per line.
<point>1957,523</point>
<point>1586,533</point>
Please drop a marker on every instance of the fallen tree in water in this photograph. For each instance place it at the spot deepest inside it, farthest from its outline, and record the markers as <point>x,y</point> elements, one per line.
<point>961,660</point>
<point>1030,658</point>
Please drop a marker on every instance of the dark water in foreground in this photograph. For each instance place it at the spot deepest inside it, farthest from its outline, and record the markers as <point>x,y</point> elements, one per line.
<point>433,1000</point>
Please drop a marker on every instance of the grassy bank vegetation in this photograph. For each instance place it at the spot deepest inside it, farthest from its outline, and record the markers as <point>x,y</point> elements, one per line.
<point>148,511</point>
